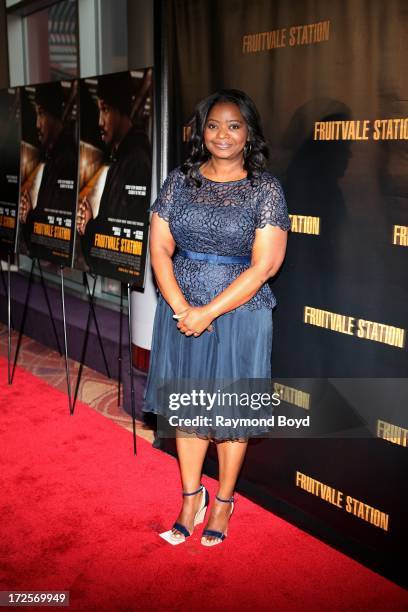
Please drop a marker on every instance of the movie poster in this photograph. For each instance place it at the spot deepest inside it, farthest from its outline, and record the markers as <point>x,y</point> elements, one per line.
<point>49,169</point>
<point>9,168</point>
<point>115,167</point>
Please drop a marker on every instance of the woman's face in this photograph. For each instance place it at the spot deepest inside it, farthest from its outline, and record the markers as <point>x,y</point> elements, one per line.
<point>225,131</point>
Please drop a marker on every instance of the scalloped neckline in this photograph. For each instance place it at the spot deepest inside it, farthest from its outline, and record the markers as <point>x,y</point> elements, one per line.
<point>222,182</point>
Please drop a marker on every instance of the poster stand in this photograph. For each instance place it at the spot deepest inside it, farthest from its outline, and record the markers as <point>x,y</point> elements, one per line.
<point>132,387</point>
<point>9,319</point>
<point>91,312</point>
<point>21,331</point>
<point>3,280</point>
<point>10,323</point>
<point>64,323</point>
<point>98,333</point>
<point>44,286</point>
<point>120,342</point>
<point>24,317</point>
<point>84,347</point>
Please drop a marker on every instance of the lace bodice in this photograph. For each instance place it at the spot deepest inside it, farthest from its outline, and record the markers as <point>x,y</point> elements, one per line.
<point>218,218</point>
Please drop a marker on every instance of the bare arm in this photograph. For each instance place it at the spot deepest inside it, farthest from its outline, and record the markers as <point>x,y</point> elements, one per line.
<point>162,246</point>
<point>268,253</point>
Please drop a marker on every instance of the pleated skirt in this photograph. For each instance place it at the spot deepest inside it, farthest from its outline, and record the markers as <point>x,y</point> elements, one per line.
<point>235,357</point>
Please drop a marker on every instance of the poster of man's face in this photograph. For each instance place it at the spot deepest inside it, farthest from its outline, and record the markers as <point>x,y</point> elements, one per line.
<point>49,168</point>
<point>114,175</point>
<point>9,168</point>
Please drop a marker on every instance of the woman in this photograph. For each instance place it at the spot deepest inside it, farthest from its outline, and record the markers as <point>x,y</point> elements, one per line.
<point>228,219</point>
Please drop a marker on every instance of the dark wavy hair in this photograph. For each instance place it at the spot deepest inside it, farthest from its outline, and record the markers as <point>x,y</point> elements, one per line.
<point>255,153</point>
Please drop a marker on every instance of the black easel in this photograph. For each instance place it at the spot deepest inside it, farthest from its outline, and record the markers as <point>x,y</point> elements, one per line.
<point>6,282</point>
<point>44,286</point>
<point>91,312</point>
<point>9,319</point>
<point>132,388</point>
<point>7,292</point>
<point>120,343</point>
<point>64,323</point>
<point>98,333</point>
<point>24,317</point>
<point>3,279</point>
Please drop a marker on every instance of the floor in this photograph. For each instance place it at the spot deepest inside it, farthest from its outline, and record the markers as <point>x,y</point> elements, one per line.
<point>95,389</point>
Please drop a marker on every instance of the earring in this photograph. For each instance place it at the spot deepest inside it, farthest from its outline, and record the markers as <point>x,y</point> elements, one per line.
<point>202,149</point>
<point>247,148</point>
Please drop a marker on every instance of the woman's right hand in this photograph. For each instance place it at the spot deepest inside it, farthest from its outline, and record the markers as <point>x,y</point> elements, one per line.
<point>182,313</point>
<point>182,309</point>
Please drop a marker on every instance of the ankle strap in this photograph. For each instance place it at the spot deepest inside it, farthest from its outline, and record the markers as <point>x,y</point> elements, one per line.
<point>200,488</point>
<point>229,500</point>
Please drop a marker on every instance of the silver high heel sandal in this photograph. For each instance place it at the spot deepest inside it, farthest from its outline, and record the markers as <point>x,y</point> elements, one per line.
<point>217,534</point>
<point>199,516</point>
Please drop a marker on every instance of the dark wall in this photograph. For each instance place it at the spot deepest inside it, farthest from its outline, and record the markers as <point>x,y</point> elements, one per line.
<point>4,67</point>
<point>140,33</point>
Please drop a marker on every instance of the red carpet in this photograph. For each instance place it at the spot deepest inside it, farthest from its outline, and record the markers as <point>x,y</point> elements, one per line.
<point>80,513</point>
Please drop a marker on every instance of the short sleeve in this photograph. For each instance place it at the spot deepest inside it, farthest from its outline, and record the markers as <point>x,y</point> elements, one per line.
<point>271,205</point>
<point>165,200</point>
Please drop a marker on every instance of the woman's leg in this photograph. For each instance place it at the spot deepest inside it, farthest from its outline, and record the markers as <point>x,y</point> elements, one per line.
<point>191,452</point>
<point>230,458</point>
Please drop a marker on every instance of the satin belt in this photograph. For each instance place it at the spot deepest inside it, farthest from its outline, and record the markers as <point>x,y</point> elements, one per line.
<point>216,259</point>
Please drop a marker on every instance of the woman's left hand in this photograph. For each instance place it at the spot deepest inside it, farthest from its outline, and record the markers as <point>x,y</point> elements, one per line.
<point>194,320</point>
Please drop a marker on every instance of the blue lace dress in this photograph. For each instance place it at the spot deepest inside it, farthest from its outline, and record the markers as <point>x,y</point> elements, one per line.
<point>216,218</point>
